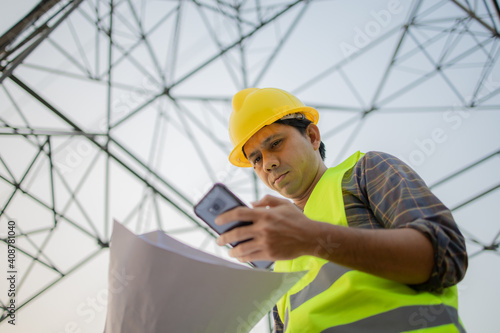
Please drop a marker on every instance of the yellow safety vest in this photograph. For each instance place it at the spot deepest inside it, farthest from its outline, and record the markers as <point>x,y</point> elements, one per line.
<point>336,299</point>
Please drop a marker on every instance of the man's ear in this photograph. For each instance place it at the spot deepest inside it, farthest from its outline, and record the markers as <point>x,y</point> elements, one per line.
<point>312,133</point>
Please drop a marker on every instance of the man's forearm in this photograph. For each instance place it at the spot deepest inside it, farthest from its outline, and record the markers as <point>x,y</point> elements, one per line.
<point>403,255</point>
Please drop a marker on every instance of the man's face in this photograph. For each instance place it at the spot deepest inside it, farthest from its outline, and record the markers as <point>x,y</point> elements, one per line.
<point>284,159</point>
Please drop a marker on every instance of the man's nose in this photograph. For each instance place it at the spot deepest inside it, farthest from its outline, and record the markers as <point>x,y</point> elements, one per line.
<point>270,162</point>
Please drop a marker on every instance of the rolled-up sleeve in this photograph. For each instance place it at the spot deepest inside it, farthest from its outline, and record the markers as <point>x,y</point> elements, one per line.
<point>399,198</point>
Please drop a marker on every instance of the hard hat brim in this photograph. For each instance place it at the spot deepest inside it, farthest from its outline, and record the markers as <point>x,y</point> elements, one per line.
<point>237,158</point>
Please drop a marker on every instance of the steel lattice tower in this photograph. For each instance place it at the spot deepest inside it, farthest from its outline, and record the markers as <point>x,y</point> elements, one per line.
<point>119,109</point>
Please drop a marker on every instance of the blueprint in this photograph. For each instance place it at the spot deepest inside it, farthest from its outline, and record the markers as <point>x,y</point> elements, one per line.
<point>158,284</point>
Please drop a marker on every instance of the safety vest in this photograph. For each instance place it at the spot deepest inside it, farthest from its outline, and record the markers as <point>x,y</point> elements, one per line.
<point>336,299</point>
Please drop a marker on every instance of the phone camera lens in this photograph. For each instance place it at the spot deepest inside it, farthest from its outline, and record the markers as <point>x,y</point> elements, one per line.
<point>217,206</point>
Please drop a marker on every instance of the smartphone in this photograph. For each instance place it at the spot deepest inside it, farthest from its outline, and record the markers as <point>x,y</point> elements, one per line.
<point>220,199</point>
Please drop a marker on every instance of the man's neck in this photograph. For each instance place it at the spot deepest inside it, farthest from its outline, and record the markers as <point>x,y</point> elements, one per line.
<point>302,200</point>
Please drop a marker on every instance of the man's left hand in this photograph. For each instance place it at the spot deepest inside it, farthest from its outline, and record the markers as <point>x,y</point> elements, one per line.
<point>278,231</point>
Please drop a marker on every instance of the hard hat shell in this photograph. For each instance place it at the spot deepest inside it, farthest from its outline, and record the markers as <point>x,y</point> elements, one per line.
<point>254,108</point>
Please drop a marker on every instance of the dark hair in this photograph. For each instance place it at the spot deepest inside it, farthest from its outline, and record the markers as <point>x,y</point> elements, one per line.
<point>301,125</point>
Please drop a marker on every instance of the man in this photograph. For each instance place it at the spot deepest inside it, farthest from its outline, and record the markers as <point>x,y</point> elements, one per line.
<point>383,254</point>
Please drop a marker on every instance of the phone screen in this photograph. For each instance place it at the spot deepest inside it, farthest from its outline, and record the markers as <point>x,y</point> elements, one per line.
<point>218,200</point>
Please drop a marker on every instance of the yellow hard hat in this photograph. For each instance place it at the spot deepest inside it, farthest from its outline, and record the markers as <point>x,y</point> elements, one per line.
<point>255,108</point>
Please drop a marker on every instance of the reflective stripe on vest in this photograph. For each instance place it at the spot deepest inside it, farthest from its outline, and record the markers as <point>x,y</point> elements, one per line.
<point>435,315</point>
<point>331,298</point>
<point>287,315</point>
<point>327,275</point>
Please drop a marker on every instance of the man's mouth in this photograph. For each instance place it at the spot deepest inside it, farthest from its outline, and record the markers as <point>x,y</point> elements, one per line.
<point>280,178</point>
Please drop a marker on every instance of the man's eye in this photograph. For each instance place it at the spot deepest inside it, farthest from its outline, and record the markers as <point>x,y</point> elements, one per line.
<point>275,143</point>
<point>256,160</point>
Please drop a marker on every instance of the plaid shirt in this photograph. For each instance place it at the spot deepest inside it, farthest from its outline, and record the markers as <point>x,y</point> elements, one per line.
<point>382,192</point>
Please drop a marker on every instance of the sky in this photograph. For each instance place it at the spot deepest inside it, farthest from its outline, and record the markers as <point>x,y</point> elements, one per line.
<point>332,54</point>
